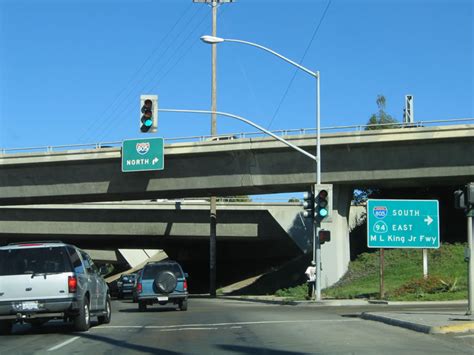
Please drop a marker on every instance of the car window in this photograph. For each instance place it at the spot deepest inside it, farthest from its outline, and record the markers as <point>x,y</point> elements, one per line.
<point>76,261</point>
<point>150,271</point>
<point>87,263</point>
<point>34,260</point>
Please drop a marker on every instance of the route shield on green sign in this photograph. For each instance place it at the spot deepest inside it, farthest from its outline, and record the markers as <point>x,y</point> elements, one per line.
<point>142,155</point>
<point>402,224</point>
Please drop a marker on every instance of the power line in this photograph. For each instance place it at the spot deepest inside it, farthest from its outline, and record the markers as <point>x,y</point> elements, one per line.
<point>301,61</point>
<point>133,77</point>
<point>154,81</point>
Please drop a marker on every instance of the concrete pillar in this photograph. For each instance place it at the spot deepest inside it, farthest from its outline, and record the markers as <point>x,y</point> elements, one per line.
<point>335,255</point>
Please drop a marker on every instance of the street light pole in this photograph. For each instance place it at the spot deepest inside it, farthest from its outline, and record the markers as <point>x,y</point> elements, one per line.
<point>316,243</point>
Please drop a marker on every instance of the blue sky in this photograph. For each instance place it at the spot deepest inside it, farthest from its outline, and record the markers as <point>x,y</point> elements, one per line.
<point>72,71</point>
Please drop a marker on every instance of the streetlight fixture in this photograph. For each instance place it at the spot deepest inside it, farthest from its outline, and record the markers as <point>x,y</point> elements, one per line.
<point>316,244</point>
<point>215,40</point>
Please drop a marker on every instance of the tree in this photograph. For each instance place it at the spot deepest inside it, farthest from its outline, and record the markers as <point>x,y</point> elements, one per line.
<point>381,119</point>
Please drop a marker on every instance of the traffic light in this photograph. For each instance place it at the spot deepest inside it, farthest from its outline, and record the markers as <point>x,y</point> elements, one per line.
<point>308,204</point>
<point>469,194</point>
<point>322,207</point>
<point>464,199</point>
<point>459,200</point>
<point>149,113</point>
<point>324,236</point>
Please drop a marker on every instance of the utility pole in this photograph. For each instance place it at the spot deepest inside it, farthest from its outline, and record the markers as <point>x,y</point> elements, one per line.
<point>213,203</point>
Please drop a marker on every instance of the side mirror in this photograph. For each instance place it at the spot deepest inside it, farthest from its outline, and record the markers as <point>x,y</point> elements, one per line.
<point>186,275</point>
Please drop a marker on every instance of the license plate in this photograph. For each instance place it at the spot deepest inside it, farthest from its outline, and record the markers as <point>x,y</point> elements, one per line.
<point>163,298</point>
<point>29,306</point>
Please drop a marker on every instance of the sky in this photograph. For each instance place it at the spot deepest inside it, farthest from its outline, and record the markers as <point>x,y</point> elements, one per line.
<point>72,71</point>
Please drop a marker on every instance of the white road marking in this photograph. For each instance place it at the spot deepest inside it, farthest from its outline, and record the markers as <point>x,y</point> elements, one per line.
<point>59,346</point>
<point>225,324</point>
<point>181,329</point>
<point>465,336</point>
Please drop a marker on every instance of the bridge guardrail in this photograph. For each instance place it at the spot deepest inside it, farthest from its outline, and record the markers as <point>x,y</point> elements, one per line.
<point>242,135</point>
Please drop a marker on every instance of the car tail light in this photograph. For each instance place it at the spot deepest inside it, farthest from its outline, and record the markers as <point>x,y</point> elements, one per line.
<point>139,287</point>
<point>72,284</point>
<point>185,285</point>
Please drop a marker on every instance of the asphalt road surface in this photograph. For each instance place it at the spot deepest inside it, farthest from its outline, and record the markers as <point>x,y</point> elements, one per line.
<point>216,326</point>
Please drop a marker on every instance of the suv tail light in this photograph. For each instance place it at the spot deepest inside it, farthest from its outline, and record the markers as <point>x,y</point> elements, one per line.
<point>139,287</point>
<point>72,284</point>
<point>185,285</point>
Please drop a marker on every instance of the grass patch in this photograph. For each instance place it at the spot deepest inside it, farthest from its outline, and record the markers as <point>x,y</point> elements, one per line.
<point>403,277</point>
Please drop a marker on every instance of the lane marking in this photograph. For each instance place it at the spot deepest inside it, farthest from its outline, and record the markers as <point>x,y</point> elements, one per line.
<point>465,336</point>
<point>224,324</point>
<point>59,346</point>
<point>181,329</point>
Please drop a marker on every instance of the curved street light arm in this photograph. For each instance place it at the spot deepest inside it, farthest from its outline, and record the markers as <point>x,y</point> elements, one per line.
<point>284,141</point>
<point>315,74</point>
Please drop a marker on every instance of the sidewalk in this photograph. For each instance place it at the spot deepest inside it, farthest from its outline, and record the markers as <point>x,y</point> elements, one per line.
<point>425,321</point>
<point>431,322</point>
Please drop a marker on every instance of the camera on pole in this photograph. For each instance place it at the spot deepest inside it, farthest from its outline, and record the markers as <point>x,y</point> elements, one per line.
<point>149,113</point>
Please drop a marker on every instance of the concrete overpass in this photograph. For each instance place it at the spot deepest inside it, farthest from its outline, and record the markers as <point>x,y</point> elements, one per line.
<point>251,236</point>
<point>391,157</point>
<point>386,158</point>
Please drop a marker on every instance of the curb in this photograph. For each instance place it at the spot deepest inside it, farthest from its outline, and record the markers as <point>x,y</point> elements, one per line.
<point>399,323</point>
<point>444,329</point>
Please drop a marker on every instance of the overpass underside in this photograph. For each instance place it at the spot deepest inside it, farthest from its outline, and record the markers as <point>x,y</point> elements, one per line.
<point>250,239</point>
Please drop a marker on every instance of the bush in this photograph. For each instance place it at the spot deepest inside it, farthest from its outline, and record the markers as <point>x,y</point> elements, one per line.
<point>429,285</point>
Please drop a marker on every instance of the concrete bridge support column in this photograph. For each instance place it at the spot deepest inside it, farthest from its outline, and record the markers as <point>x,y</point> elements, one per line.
<point>335,255</point>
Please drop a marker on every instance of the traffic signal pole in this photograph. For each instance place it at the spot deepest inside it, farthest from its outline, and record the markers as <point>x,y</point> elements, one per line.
<point>470,242</point>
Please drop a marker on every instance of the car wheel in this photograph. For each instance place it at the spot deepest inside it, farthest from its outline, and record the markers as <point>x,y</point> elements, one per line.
<point>82,321</point>
<point>183,305</point>
<point>6,327</point>
<point>165,282</point>
<point>141,306</point>
<point>105,319</point>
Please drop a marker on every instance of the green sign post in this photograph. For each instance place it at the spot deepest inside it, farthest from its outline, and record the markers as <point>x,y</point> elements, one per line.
<point>403,224</point>
<point>142,155</point>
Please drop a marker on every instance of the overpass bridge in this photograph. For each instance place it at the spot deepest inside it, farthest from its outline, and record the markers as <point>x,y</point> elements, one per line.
<point>418,156</point>
<point>251,236</point>
<point>391,157</point>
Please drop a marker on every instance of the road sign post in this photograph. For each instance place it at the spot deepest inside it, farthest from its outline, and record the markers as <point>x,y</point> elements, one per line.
<point>402,224</point>
<point>142,155</point>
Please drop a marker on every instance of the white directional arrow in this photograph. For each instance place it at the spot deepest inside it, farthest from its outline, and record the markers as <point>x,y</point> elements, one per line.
<point>428,220</point>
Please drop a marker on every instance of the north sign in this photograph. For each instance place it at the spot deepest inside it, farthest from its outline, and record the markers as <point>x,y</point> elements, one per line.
<point>142,155</point>
<point>403,224</point>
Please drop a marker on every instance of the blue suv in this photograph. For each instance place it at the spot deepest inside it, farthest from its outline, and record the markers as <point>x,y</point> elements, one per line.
<point>162,282</point>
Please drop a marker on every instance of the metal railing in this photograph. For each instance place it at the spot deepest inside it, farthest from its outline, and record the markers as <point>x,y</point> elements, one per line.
<point>242,135</point>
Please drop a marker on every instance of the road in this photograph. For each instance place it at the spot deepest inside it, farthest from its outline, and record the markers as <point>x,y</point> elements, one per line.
<point>217,326</point>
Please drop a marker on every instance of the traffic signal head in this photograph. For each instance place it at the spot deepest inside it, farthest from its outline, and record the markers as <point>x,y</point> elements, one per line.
<point>149,113</point>
<point>324,236</point>
<point>459,200</point>
<point>322,204</point>
<point>469,194</point>
<point>308,204</point>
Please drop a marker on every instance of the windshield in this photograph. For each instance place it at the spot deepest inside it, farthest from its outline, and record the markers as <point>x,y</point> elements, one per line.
<point>34,261</point>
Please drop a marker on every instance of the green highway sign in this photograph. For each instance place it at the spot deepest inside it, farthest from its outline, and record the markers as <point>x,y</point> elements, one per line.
<point>403,224</point>
<point>142,155</point>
